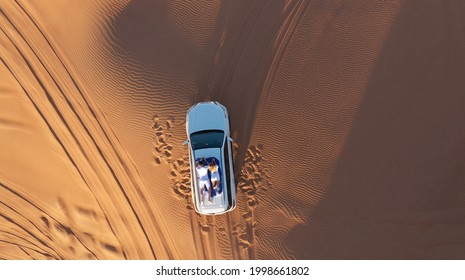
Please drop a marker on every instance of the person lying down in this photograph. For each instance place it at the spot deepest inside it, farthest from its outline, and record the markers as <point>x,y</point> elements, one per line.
<point>209,178</point>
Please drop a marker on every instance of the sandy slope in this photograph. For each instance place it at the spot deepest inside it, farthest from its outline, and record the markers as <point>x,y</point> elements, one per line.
<point>347,115</point>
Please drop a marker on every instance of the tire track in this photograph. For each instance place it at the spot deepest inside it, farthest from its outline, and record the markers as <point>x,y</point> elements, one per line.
<point>35,77</point>
<point>222,73</point>
<point>219,82</point>
<point>72,106</point>
<point>67,106</point>
<point>293,16</point>
<point>45,232</point>
<point>201,226</point>
<point>253,175</point>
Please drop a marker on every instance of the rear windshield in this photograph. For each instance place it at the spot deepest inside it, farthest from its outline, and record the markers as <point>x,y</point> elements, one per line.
<point>207,139</point>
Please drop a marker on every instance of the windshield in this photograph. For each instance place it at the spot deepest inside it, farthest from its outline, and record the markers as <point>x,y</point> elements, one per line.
<point>207,139</point>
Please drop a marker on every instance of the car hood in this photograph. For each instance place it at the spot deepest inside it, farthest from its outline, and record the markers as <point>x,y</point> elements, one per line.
<point>206,116</point>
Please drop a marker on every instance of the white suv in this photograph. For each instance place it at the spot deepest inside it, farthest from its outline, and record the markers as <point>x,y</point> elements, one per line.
<point>210,158</point>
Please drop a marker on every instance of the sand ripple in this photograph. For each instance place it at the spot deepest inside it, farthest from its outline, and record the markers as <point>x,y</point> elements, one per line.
<point>347,118</point>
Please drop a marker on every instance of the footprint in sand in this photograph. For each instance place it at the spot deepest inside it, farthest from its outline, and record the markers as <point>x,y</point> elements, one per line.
<point>252,180</point>
<point>163,154</point>
<point>242,235</point>
<point>253,176</point>
<point>180,175</point>
<point>162,150</point>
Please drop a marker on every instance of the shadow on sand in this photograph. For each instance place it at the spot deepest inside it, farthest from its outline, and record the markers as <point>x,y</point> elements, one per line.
<point>398,188</point>
<point>232,66</point>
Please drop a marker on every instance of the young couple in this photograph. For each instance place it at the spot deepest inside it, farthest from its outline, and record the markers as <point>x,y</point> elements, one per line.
<point>203,167</point>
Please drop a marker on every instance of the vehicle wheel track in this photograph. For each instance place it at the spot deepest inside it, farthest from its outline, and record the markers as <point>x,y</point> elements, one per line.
<point>75,101</point>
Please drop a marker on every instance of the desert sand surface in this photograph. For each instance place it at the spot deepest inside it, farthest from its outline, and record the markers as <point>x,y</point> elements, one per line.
<point>348,119</point>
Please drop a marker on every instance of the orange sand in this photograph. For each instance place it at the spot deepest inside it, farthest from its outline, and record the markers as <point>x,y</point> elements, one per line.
<point>348,118</point>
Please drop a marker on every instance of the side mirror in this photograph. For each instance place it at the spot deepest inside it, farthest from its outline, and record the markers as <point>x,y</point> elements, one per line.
<point>185,142</point>
<point>230,139</point>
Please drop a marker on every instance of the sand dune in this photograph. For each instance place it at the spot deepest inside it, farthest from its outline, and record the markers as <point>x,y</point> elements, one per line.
<point>347,117</point>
